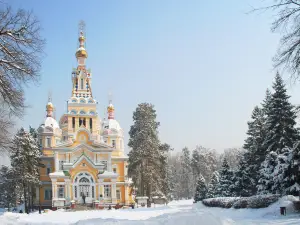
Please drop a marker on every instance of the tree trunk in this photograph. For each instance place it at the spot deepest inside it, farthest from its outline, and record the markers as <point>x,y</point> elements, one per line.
<point>25,197</point>
<point>32,197</point>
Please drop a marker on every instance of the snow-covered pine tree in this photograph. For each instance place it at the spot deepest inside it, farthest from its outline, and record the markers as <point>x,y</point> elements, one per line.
<point>8,188</point>
<point>254,151</point>
<point>195,164</point>
<point>145,155</point>
<point>280,133</point>
<point>25,161</point>
<point>186,175</point>
<point>213,185</point>
<point>243,181</point>
<point>282,179</point>
<point>265,181</point>
<point>201,189</point>
<point>205,162</point>
<point>225,181</point>
<point>294,187</point>
<point>281,120</point>
<point>164,170</point>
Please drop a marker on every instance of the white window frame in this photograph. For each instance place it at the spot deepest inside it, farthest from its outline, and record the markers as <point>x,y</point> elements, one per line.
<point>107,194</point>
<point>59,189</point>
<point>49,191</point>
<point>120,194</point>
<point>48,142</point>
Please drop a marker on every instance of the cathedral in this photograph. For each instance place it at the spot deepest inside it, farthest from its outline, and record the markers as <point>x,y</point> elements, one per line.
<point>83,155</point>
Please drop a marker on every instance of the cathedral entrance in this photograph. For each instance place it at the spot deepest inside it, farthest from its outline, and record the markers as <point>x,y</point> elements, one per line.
<point>84,185</point>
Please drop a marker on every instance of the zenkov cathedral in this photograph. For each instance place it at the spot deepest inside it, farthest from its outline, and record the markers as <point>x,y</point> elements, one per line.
<point>83,156</point>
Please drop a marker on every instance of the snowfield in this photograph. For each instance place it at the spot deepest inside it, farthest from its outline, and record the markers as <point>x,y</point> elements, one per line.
<point>177,212</point>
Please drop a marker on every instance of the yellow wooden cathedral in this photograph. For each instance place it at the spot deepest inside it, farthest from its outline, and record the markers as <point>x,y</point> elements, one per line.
<point>83,155</point>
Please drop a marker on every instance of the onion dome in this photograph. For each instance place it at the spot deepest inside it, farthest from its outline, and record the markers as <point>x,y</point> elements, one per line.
<point>49,106</point>
<point>110,111</point>
<point>81,52</point>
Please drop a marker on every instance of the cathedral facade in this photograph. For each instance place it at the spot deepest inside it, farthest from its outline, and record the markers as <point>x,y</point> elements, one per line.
<point>83,155</point>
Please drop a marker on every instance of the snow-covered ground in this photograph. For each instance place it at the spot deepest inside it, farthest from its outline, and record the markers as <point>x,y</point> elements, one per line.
<point>179,212</point>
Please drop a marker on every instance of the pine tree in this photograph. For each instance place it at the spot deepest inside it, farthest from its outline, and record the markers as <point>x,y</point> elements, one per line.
<point>255,153</point>
<point>164,171</point>
<point>282,179</point>
<point>280,135</point>
<point>243,181</point>
<point>145,155</point>
<point>281,120</point>
<point>265,182</point>
<point>294,172</point>
<point>195,164</point>
<point>25,161</point>
<point>186,175</point>
<point>225,181</point>
<point>201,189</point>
<point>8,187</point>
<point>213,185</point>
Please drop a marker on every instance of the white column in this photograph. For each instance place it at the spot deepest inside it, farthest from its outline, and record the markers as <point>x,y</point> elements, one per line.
<point>56,161</point>
<point>126,194</point>
<point>109,162</point>
<point>54,190</point>
<point>67,189</point>
<point>70,188</point>
<point>113,191</point>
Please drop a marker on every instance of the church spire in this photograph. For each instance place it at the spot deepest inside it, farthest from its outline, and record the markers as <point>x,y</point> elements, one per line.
<point>110,108</point>
<point>49,106</point>
<point>81,53</point>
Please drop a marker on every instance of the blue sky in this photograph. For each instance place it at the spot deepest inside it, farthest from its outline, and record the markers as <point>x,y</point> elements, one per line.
<point>204,65</point>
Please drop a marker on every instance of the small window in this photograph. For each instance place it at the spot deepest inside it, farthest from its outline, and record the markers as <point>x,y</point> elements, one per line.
<point>113,143</point>
<point>47,194</point>
<point>41,142</point>
<point>118,194</point>
<point>81,84</point>
<point>115,170</point>
<point>93,190</point>
<point>61,190</point>
<point>48,142</point>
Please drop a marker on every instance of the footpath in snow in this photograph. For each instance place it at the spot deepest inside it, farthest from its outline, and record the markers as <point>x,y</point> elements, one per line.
<point>177,212</point>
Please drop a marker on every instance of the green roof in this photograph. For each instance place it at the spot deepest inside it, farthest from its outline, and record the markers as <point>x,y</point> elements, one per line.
<point>66,173</point>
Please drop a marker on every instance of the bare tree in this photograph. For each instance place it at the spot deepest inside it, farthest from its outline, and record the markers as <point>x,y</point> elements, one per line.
<point>21,50</point>
<point>287,21</point>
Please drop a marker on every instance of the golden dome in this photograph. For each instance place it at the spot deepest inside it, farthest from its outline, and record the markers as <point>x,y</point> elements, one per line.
<point>110,108</point>
<point>49,106</point>
<point>81,38</point>
<point>81,52</point>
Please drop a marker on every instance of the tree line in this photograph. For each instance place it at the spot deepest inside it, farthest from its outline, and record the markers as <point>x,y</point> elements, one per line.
<point>270,162</point>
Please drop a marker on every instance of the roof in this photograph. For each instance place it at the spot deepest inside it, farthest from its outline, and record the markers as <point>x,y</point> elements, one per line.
<point>51,122</point>
<point>112,124</point>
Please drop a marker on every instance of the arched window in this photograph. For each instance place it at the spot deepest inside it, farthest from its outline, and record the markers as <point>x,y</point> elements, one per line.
<point>81,84</point>
<point>84,180</point>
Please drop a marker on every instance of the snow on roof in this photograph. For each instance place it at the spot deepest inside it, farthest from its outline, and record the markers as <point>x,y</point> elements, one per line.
<point>57,173</point>
<point>108,174</point>
<point>51,122</point>
<point>112,124</point>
